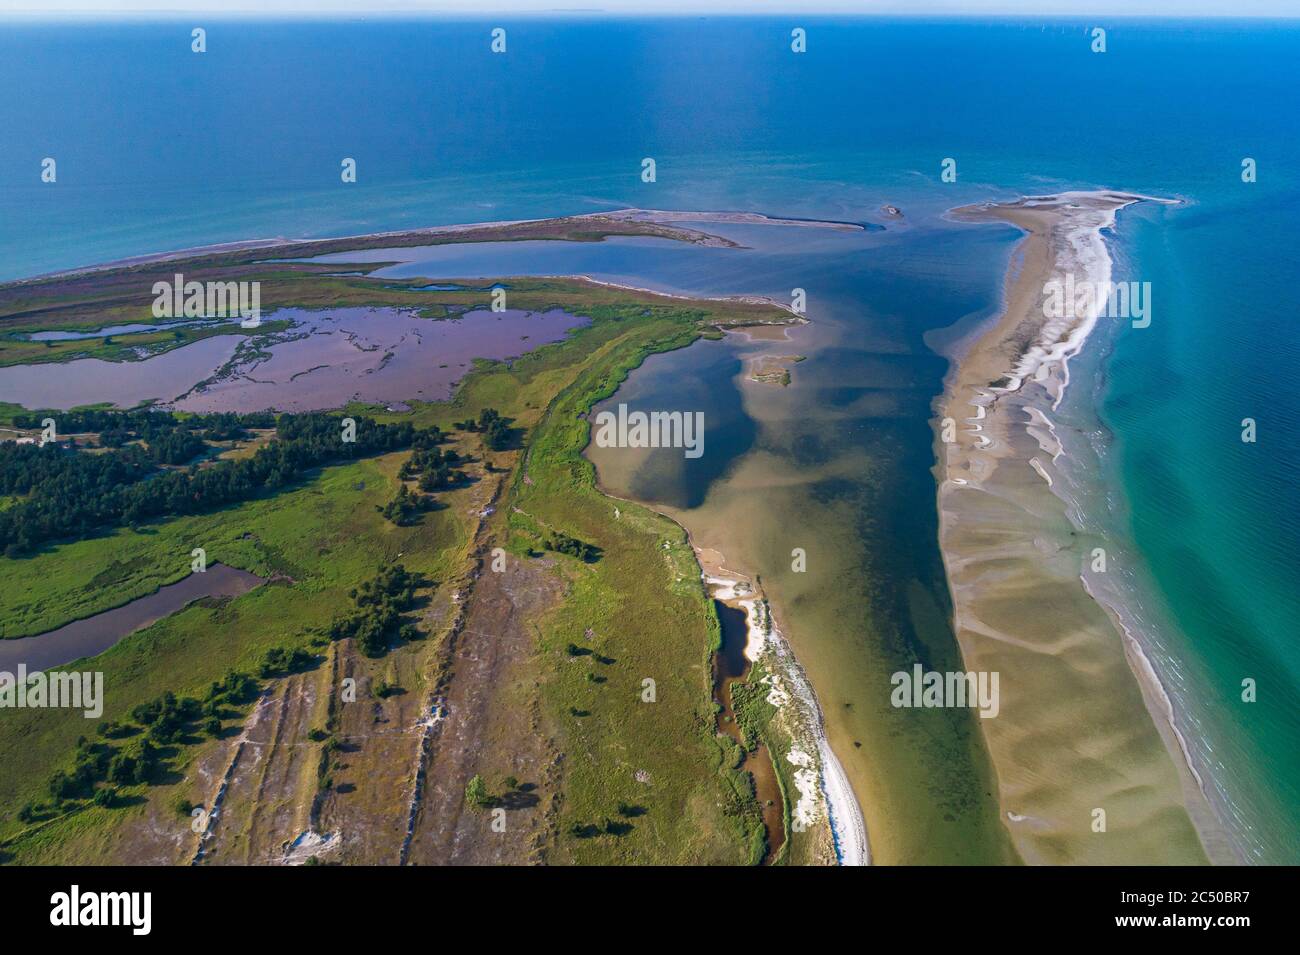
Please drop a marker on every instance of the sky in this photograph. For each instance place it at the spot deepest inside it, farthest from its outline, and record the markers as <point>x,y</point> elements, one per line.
<point>1186,8</point>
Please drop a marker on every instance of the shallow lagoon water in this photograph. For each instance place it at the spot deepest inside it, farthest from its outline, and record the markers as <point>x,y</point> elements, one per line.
<point>838,463</point>
<point>339,355</point>
<point>327,359</point>
<point>123,383</point>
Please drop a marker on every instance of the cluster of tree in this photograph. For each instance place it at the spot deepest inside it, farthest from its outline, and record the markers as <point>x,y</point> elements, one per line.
<point>564,544</point>
<point>71,494</point>
<point>142,419</point>
<point>175,447</point>
<point>164,719</point>
<point>90,764</point>
<point>235,688</point>
<point>477,795</point>
<point>495,429</point>
<point>281,661</point>
<point>434,467</point>
<point>427,438</point>
<point>173,440</point>
<point>406,506</point>
<point>380,603</point>
<point>99,767</point>
<point>753,711</point>
<point>609,827</point>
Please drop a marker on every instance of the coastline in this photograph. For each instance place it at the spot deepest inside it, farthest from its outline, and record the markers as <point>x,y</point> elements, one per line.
<point>1086,724</point>
<point>792,693</point>
<point>826,794</point>
<point>796,317</point>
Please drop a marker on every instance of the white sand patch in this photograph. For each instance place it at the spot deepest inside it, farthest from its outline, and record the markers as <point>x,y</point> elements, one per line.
<point>311,844</point>
<point>1037,465</point>
<point>809,807</point>
<point>846,815</point>
<point>777,696</point>
<point>1044,432</point>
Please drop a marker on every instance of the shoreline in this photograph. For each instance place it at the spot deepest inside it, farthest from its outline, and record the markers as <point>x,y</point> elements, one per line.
<point>994,491</point>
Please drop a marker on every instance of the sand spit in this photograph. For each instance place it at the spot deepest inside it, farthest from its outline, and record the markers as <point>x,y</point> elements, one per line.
<point>281,247</point>
<point>737,218</point>
<point>1088,771</point>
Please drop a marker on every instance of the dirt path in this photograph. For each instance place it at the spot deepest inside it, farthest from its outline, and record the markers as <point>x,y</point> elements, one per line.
<point>492,727</point>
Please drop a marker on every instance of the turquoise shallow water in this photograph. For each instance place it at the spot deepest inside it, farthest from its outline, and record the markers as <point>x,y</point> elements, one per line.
<point>1214,516</point>
<point>159,148</point>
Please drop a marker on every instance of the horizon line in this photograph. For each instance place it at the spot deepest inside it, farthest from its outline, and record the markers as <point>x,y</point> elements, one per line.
<point>226,13</point>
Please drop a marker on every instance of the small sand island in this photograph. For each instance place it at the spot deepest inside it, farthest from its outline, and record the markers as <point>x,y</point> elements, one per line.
<point>773,369</point>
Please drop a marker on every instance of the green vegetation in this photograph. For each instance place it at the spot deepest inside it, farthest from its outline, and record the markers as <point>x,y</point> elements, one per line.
<point>643,780</point>
<point>753,712</point>
<point>17,349</point>
<point>477,795</point>
<point>405,507</point>
<point>101,769</point>
<point>380,603</point>
<point>662,756</point>
<point>325,535</point>
<point>564,544</point>
<point>281,661</point>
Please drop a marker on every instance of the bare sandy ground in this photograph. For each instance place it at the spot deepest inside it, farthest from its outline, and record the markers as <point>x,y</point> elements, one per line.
<point>1080,732</point>
<point>491,724</point>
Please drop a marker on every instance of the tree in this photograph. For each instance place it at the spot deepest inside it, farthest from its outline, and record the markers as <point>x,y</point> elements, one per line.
<point>477,795</point>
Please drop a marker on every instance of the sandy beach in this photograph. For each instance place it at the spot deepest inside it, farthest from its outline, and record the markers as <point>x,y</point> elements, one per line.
<point>1089,765</point>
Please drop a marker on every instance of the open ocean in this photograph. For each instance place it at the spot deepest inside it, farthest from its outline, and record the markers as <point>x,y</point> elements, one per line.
<point>159,148</point>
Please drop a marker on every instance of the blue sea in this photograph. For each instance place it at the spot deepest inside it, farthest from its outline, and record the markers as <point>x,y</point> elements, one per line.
<point>160,148</point>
